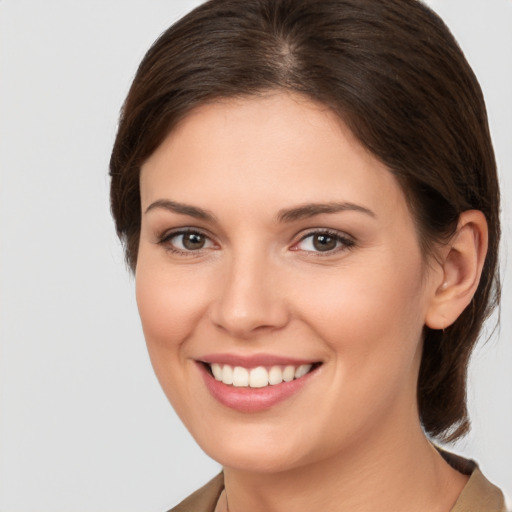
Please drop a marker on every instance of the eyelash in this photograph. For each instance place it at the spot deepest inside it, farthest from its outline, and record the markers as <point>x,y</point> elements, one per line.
<point>166,238</point>
<point>343,242</point>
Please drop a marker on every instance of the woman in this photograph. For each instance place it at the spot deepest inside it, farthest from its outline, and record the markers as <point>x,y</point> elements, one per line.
<point>307,192</point>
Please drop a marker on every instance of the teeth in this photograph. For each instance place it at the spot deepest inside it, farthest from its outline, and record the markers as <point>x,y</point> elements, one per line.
<point>289,373</point>
<point>240,377</point>
<point>259,377</point>
<point>302,370</point>
<point>227,374</point>
<point>217,371</point>
<point>275,375</point>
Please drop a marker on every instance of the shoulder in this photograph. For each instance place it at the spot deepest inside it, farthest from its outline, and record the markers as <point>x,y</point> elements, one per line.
<point>479,494</point>
<point>204,499</point>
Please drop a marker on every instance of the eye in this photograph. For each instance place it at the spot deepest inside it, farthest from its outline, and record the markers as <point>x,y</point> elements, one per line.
<point>186,241</point>
<point>323,241</point>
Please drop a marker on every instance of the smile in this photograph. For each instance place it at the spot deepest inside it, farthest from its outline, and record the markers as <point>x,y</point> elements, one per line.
<point>257,383</point>
<point>258,377</point>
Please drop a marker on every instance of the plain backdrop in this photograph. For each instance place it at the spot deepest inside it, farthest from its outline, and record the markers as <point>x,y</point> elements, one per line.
<point>84,426</point>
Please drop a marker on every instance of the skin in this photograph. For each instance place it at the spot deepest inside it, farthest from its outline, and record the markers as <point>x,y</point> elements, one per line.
<point>350,439</point>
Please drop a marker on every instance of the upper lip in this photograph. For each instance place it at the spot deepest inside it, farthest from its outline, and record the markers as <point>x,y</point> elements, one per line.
<point>254,360</point>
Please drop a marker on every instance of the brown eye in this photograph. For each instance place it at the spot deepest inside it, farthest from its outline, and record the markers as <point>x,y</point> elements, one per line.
<point>193,241</point>
<point>187,241</point>
<point>324,242</point>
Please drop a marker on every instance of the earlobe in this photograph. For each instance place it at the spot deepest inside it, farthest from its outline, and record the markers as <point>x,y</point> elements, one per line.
<point>462,264</point>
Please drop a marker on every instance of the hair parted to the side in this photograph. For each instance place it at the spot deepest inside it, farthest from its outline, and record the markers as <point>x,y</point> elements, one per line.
<point>395,76</point>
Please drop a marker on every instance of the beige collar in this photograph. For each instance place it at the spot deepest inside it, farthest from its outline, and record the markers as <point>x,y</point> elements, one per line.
<point>478,495</point>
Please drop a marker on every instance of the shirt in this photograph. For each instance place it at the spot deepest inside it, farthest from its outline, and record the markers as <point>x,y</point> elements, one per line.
<point>478,495</point>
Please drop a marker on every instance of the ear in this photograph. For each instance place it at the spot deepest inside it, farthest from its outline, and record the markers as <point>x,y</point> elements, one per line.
<point>462,261</point>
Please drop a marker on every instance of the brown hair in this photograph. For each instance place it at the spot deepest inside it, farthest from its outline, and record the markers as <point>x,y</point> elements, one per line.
<point>394,74</point>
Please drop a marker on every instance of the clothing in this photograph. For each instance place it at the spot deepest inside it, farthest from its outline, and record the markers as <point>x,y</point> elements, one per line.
<point>204,499</point>
<point>478,495</point>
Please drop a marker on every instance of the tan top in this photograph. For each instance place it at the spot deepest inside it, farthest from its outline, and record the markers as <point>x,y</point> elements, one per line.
<point>478,495</point>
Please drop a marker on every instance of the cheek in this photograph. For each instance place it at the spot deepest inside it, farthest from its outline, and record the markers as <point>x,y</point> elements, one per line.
<point>372,324</point>
<point>371,316</point>
<point>169,303</point>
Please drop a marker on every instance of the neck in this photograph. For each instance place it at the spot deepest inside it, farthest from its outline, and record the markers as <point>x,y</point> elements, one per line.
<point>388,473</point>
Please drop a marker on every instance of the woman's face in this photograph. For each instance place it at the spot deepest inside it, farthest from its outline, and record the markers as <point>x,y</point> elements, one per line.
<point>272,244</point>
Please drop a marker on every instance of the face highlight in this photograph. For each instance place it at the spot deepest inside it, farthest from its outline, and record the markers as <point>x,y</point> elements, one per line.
<point>280,284</point>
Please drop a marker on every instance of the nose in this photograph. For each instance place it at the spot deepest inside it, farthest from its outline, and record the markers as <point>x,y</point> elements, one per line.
<point>250,299</point>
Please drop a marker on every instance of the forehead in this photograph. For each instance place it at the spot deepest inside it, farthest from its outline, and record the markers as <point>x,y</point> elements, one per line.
<point>278,148</point>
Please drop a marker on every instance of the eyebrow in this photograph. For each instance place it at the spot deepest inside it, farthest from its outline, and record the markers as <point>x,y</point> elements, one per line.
<point>311,209</point>
<point>183,209</point>
<point>287,215</point>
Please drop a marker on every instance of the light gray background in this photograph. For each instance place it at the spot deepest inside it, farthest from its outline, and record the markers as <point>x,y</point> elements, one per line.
<point>83,423</point>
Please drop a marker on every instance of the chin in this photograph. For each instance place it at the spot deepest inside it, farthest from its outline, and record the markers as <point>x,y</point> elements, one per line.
<point>258,451</point>
<point>255,460</point>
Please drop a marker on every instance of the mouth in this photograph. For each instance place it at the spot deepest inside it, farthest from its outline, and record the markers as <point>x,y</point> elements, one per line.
<point>256,383</point>
<point>260,376</point>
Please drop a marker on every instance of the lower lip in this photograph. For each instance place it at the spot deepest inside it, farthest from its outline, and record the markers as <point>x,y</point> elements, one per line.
<point>252,399</point>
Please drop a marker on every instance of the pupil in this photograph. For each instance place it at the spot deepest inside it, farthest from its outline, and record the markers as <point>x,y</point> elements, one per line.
<point>193,241</point>
<point>324,242</point>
